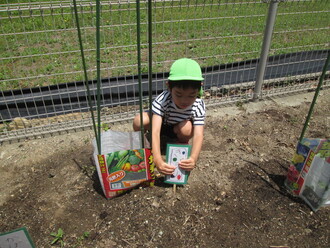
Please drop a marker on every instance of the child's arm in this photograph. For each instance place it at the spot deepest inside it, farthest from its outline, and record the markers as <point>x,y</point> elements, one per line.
<point>159,162</point>
<point>190,163</point>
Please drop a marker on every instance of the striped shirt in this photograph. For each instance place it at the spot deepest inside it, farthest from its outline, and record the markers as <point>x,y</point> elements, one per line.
<point>171,114</point>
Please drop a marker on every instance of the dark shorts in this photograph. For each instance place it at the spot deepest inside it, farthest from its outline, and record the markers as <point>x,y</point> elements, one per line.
<point>167,130</point>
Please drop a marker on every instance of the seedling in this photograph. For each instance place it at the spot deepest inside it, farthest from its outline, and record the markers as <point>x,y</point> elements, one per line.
<point>5,127</point>
<point>104,126</point>
<point>293,120</point>
<point>80,239</point>
<point>146,104</point>
<point>86,140</point>
<point>239,105</point>
<point>58,237</point>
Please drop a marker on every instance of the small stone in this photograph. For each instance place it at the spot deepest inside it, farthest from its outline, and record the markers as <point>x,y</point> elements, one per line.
<point>51,175</point>
<point>155,204</point>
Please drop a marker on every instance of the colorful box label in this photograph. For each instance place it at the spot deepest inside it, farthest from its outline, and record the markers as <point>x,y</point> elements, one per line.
<point>309,173</point>
<point>123,170</point>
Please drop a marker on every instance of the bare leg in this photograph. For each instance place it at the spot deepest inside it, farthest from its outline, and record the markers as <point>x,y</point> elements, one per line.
<point>137,122</point>
<point>184,131</point>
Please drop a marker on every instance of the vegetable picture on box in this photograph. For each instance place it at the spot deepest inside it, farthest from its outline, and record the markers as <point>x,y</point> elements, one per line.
<point>174,154</point>
<point>126,168</point>
<point>127,160</point>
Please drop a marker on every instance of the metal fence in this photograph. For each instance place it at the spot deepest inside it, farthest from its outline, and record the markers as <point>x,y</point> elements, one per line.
<point>41,74</point>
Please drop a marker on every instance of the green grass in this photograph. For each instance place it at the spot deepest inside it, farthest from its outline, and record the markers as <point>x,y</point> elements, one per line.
<point>36,43</point>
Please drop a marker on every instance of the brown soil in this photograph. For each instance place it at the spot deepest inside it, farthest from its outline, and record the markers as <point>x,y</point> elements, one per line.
<point>235,197</point>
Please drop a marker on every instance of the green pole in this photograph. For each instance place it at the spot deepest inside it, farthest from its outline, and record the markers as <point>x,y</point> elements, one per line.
<point>139,67</point>
<point>150,61</point>
<point>98,75</point>
<point>84,68</point>
<point>315,97</point>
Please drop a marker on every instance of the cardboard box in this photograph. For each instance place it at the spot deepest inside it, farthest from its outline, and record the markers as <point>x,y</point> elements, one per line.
<point>309,172</point>
<point>123,164</point>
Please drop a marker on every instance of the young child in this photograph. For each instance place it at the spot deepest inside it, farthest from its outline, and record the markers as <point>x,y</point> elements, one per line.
<point>177,113</point>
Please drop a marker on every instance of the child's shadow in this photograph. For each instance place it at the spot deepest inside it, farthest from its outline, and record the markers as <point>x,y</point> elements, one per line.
<point>97,184</point>
<point>159,182</point>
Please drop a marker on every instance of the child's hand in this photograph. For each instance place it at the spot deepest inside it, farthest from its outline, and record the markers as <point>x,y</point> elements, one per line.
<point>165,168</point>
<point>187,164</point>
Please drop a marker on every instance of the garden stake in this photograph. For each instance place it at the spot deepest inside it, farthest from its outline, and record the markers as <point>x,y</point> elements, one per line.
<point>98,76</point>
<point>315,97</point>
<point>150,62</point>
<point>85,69</point>
<point>139,67</point>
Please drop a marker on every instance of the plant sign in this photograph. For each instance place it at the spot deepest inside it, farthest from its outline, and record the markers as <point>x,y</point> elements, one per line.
<point>174,154</point>
<point>19,238</point>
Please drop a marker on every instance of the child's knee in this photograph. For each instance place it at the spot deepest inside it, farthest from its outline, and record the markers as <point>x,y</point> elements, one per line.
<point>184,129</point>
<point>137,122</point>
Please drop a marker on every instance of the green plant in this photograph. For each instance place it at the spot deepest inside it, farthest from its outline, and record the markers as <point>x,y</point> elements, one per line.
<point>293,120</point>
<point>86,140</point>
<point>4,127</point>
<point>58,237</point>
<point>80,239</point>
<point>105,126</point>
<point>239,104</point>
<point>145,103</point>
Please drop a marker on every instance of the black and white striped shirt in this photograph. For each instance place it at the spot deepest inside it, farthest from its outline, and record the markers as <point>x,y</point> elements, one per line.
<point>165,107</point>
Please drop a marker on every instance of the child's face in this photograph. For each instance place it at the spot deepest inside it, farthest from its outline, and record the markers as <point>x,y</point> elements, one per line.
<point>183,98</point>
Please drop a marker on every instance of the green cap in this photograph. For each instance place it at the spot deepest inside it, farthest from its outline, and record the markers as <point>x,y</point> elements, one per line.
<point>185,69</point>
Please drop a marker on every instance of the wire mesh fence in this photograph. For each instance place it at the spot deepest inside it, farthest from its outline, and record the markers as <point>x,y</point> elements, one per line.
<point>41,75</point>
